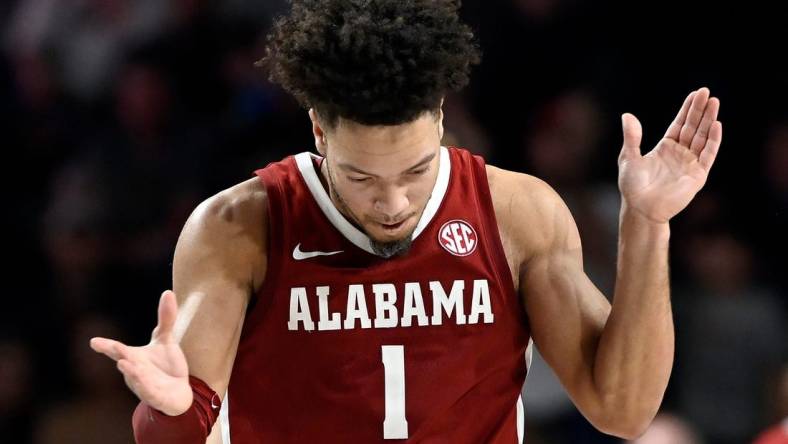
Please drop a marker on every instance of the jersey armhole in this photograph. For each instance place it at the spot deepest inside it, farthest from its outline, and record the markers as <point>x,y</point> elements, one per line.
<point>493,233</point>
<point>275,251</point>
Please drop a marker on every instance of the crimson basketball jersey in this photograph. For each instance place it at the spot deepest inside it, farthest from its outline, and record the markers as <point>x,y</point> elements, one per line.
<point>343,346</point>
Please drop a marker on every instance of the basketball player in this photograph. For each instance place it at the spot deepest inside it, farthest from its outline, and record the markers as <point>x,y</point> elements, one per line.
<point>388,289</point>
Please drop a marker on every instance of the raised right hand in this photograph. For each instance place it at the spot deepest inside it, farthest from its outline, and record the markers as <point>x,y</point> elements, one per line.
<point>158,372</point>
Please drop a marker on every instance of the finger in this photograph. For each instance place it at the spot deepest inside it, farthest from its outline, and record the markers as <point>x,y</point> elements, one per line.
<point>675,127</point>
<point>633,133</point>
<point>128,368</point>
<point>131,375</point>
<point>114,349</point>
<point>694,117</point>
<point>168,312</point>
<point>709,152</point>
<point>709,116</point>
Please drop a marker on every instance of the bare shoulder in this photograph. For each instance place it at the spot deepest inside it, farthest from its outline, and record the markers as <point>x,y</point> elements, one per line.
<point>228,230</point>
<point>245,203</point>
<point>532,217</point>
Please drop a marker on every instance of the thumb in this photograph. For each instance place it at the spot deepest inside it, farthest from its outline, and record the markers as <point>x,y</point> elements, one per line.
<point>168,312</point>
<point>633,133</point>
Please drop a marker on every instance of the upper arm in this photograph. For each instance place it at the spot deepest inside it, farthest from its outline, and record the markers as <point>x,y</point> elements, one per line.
<point>566,311</point>
<point>220,259</point>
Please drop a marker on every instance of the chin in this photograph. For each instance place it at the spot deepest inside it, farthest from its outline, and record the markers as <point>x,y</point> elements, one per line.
<point>382,235</point>
<point>383,239</point>
<point>387,249</point>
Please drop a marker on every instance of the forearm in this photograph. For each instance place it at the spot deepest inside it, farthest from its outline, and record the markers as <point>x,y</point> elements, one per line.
<point>635,352</point>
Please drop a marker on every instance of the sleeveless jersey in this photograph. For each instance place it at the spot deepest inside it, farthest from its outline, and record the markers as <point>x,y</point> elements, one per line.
<point>342,346</point>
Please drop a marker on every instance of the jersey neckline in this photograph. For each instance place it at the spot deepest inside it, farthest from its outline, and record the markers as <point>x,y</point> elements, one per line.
<point>306,167</point>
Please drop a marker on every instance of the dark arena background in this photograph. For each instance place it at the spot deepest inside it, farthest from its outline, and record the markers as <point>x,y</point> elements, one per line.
<point>120,116</point>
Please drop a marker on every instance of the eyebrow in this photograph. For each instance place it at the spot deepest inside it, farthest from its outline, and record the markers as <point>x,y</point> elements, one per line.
<point>427,159</point>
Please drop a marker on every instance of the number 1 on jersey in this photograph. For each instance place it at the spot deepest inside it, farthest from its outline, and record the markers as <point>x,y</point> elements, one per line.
<point>395,426</point>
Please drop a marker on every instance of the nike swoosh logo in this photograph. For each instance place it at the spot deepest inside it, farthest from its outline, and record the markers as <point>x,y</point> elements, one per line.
<point>301,255</point>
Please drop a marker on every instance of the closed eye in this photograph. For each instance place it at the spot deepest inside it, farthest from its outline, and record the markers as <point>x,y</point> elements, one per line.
<point>418,172</point>
<point>358,179</point>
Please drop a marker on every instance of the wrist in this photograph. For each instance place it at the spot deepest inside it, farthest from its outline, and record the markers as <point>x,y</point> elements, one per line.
<point>633,222</point>
<point>178,410</point>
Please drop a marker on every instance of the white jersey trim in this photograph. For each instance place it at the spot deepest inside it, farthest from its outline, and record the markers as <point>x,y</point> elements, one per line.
<point>529,356</point>
<point>438,192</point>
<point>307,169</point>
<point>224,418</point>
<point>520,419</point>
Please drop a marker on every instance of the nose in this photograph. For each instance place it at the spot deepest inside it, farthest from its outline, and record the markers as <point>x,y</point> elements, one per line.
<point>391,203</point>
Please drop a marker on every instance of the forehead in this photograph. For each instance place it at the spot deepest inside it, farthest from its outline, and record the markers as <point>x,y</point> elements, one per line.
<point>376,146</point>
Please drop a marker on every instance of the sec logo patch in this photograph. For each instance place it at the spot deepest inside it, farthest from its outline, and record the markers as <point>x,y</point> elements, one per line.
<point>458,237</point>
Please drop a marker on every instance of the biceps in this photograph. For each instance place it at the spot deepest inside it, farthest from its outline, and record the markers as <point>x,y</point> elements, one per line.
<point>213,270</point>
<point>567,314</point>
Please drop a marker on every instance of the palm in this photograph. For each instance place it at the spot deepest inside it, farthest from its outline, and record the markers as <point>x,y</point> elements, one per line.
<point>161,374</point>
<point>157,373</point>
<point>663,182</point>
<point>166,358</point>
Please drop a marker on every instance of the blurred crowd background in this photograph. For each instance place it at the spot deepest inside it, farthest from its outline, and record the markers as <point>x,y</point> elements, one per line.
<point>120,116</point>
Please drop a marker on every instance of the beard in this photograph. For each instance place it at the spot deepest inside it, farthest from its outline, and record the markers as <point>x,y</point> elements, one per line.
<point>392,248</point>
<point>385,250</point>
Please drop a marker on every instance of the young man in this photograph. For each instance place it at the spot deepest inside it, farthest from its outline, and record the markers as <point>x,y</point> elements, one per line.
<point>389,289</point>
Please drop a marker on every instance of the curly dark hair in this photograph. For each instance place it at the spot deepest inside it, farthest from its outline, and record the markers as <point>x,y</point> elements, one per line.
<point>375,62</point>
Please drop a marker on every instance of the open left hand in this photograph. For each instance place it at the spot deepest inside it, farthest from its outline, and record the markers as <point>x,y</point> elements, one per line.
<point>158,372</point>
<point>663,182</point>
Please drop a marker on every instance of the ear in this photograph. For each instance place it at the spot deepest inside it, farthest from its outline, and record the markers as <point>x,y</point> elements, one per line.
<point>318,133</point>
